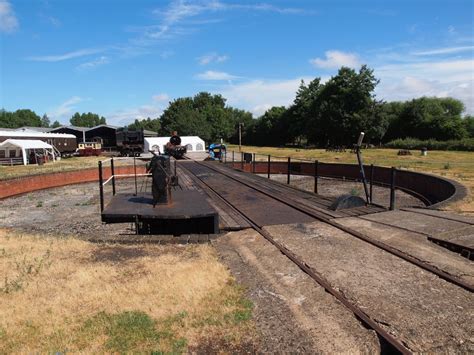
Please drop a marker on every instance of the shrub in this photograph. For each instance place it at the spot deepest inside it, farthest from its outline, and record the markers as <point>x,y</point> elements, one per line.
<point>466,144</point>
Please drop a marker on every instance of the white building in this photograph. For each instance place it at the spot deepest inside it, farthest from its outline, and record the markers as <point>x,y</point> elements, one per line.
<point>192,143</point>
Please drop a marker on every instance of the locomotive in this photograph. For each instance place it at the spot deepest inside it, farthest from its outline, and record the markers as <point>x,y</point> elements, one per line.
<point>174,148</point>
<point>130,141</point>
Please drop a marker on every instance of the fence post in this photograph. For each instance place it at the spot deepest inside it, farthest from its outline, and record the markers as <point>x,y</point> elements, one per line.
<point>242,161</point>
<point>253,163</point>
<point>233,159</point>
<point>268,167</point>
<point>371,181</point>
<point>101,188</point>
<point>112,170</point>
<point>316,165</point>
<point>392,189</point>
<point>288,172</point>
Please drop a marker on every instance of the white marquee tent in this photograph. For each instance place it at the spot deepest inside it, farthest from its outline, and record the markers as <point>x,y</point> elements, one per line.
<point>192,143</point>
<point>21,148</point>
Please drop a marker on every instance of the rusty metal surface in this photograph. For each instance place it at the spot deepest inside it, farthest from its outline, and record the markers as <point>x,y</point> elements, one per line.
<point>263,210</point>
<point>434,191</point>
<point>333,222</point>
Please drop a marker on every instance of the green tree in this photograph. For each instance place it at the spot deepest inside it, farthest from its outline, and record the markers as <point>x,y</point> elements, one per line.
<point>87,119</point>
<point>148,124</point>
<point>56,124</point>
<point>19,118</point>
<point>344,106</point>
<point>431,117</point>
<point>45,122</point>
<point>205,115</point>
<point>469,125</point>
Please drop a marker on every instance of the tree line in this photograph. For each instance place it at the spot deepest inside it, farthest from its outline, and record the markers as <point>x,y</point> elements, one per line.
<point>322,114</point>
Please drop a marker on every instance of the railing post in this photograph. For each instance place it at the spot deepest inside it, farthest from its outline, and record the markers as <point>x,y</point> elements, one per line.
<point>233,159</point>
<point>392,189</point>
<point>288,172</point>
<point>101,188</point>
<point>242,161</point>
<point>253,163</point>
<point>268,167</point>
<point>371,181</point>
<point>112,170</point>
<point>316,166</point>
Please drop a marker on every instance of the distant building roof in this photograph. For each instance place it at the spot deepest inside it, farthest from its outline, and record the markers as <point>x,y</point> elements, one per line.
<point>33,134</point>
<point>34,129</point>
<point>84,129</point>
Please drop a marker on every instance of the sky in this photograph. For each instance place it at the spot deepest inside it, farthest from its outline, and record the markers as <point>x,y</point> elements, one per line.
<point>127,59</point>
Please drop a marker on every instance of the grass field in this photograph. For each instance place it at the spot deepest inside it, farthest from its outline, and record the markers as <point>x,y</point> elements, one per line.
<point>69,164</point>
<point>458,166</point>
<point>66,295</point>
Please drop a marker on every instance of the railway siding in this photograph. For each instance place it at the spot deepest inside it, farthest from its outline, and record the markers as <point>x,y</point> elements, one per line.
<point>417,307</point>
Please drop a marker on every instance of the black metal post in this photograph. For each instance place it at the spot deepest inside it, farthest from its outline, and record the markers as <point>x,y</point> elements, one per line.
<point>362,173</point>
<point>288,172</point>
<point>135,174</point>
<point>392,189</point>
<point>268,167</point>
<point>371,181</point>
<point>253,163</point>
<point>316,166</point>
<point>101,188</point>
<point>112,170</point>
<point>242,161</point>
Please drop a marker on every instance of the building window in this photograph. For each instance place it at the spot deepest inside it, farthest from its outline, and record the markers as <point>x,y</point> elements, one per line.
<point>12,154</point>
<point>189,147</point>
<point>199,147</point>
<point>2,154</point>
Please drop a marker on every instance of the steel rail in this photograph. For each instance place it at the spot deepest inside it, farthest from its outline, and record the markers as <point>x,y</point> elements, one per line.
<point>318,215</point>
<point>395,344</point>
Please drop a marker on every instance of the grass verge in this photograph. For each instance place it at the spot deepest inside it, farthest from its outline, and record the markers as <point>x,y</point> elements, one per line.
<point>60,295</point>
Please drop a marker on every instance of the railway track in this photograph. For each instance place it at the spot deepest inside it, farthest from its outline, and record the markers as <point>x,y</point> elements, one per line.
<point>388,341</point>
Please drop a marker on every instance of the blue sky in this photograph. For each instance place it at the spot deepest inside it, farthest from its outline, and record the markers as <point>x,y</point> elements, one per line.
<point>127,59</point>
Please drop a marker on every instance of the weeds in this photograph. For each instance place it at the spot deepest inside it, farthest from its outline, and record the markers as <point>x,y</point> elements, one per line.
<point>39,204</point>
<point>25,270</point>
<point>447,166</point>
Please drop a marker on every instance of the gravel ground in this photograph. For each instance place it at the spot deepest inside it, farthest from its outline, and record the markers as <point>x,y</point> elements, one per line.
<point>335,188</point>
<point>68,210</point>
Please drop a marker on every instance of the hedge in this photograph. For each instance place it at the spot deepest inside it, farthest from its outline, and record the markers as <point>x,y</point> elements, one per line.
<point>466,144</point>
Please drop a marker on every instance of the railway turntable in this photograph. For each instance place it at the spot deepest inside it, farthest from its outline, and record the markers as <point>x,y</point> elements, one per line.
<point>166,209</point>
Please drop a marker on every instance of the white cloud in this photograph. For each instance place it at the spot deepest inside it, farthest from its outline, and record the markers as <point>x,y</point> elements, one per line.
<point>446,50</point>
<point>8,20</point>
<point>215,76</point>
<point>405,81</point>
<point>160,97</point>
<point>257,96</point>
<point>65,110</point>
<point>212,58</point>
<point>336,59</point>
<point>66,56</point>
<point>127,116</point>
<point>93,63</point>
<point>178,11</point>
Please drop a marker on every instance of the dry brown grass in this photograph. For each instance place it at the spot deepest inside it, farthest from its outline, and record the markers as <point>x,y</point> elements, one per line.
<point>65,294</point>
<point>458,166</point>
<point>68,164</point>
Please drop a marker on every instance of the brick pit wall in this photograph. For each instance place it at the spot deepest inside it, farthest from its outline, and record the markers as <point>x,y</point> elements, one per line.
<point>24,184</point>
